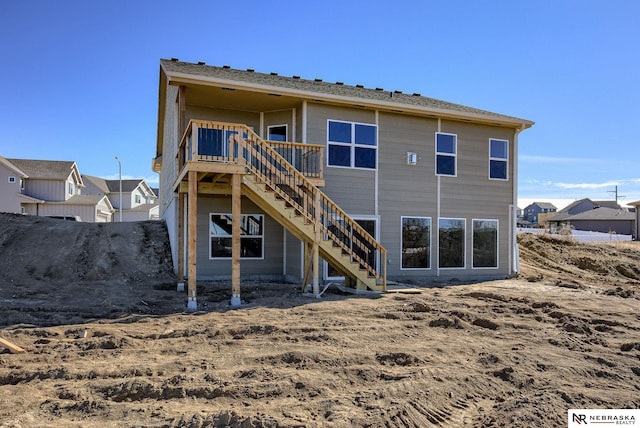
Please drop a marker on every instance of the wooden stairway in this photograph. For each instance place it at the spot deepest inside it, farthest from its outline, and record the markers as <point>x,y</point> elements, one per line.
<point>299,206</point>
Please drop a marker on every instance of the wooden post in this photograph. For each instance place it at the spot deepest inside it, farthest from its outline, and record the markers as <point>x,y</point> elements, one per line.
<point>192,226</point>
<point>180,241</point>
<point>236,218</point>
<point>316,246</point>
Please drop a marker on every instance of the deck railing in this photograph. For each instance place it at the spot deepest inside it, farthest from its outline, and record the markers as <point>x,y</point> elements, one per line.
<point>274,165</point>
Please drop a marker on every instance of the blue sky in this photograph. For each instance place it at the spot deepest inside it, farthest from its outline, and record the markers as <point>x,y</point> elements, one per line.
<point>80,78</point>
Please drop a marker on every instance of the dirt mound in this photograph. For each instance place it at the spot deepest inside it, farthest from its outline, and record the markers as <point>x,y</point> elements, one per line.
<point>571,263</point>
<point>517,352</point>
<point>49,267</point>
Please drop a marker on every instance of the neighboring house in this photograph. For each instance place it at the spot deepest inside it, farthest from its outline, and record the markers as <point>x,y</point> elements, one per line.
<point>595,216</point>
<point>600,219</point>
<point>636,233</point>
<point>49,188</point>
<point>379,184</point>
<point>139,201</point>
<point>531,211</point>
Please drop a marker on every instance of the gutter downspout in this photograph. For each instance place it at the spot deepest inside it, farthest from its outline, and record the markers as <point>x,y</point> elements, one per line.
<point>514,260</point>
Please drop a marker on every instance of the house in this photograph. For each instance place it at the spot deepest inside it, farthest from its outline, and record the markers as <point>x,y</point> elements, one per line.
<point>138,201</point>
<point>284,178</point>
<point>48,188</point>
<point>602,219</point>
<point>532,210</point>
<point>595,216</point>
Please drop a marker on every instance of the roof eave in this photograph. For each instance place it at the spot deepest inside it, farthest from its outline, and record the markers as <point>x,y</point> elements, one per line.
<point>177,78</point>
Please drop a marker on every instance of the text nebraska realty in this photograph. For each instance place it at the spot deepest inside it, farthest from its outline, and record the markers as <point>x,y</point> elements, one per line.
<point>604,419</point>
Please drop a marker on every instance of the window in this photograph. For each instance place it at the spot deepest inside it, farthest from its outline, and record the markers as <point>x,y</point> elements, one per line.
<point>446,152</point>
<point>498,159</point>
<point>251,236</point>
<point>451,242</point>
<point>416,243</point>
<point>12,179</point>
<point>70,187</point>
<point>277,133</point>
<point>485,243</point>
<point>214,142</point>
<point>138,199</point>
<point>351,145</point>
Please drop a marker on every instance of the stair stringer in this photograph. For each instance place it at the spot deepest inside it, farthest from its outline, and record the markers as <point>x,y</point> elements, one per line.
<point>304,229</point>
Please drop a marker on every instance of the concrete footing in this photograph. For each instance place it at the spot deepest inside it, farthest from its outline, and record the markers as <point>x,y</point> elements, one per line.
<point>235,300</point>
<point>192,305</point>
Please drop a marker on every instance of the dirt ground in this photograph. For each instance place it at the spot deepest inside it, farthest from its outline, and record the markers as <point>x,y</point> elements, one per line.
<point>108,343</point>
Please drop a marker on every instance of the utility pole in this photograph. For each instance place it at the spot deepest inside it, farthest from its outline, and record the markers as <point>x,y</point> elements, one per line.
<point>615,192</point>
<point>120,177</point>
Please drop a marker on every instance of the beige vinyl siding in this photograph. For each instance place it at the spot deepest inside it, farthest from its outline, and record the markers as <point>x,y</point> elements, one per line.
<point>169,165</point>
<point>411,190</point>
<point>87,213</point>
<point>280,117</point>
<point>352,189</point>
<point>251,119</point>
<point>405,190</point>
<point>472,194</point>
<point>48,190</point>
<point>9,199</point>
<point>294,259</point>
<point>270,267</point>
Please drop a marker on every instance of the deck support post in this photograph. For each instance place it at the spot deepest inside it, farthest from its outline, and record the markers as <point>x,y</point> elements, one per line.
<point>316,247</point>
<point>180,286</point>
<point>192,229</point>
<point>236,214</point>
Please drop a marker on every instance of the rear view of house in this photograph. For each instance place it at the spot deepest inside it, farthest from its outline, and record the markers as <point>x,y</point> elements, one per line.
<point>284,178</point>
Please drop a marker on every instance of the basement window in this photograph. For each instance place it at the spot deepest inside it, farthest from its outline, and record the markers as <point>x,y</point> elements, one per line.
<point>416,242</point>
<point>485,244</point>
<point>451,242</point>
<point>251,236</point>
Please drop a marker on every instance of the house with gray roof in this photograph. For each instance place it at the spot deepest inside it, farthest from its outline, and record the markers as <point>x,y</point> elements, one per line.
<point>48,188</point>
<point>287,178</point>
<point>137,202</point>
<point>596,216</point>
<point>532,211</point>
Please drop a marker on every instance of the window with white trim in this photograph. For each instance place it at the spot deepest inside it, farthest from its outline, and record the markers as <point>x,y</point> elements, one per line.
<point>485,243</point>
<point>138,199</point>
<point>277,133</point>
<point>451,243</point>
<point>446,153</point>
<point>416,242</point>
<point>12,179</point>
<point>498,159</point>
<point>251,236</point>
<point>351,145</point>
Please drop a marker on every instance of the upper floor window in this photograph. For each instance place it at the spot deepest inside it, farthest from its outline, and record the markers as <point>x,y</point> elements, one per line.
<point>138,199</point>
<point>71,188</point>
<point>446,153</point>
<point>12,179</point>
<point>351,145</point>
<point>498,159</point>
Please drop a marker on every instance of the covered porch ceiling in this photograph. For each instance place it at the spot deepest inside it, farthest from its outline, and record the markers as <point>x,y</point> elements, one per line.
<point>237,99</point>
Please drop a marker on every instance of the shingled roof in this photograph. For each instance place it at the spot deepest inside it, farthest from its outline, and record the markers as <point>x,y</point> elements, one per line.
<point>44,169</point>
<point>175,70</point>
